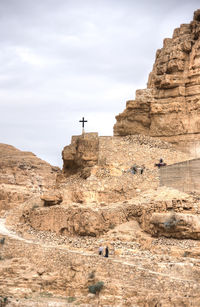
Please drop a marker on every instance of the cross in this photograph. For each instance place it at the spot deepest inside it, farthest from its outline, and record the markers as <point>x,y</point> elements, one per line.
<point>83,121</point>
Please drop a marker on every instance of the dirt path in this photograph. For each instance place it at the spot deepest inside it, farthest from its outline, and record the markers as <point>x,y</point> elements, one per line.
<point>6,232</point>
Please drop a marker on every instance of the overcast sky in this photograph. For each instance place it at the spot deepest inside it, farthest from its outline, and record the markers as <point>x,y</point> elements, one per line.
<point>64,59</point>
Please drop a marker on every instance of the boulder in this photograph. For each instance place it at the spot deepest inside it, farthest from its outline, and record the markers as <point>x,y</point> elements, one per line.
<point>51,199</point>
<point>176,225</point>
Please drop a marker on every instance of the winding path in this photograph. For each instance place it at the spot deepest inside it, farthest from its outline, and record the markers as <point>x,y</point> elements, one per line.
<point>6,232</point>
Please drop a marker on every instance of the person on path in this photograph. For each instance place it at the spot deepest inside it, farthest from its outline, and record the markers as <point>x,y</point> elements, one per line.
<point>106,252</point>
<point>134,169</point>
<point>100,250</point>
<point>161,163</point>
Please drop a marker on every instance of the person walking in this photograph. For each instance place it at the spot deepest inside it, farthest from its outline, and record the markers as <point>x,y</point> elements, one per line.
<point>100,250</point>
<point>106,252</point>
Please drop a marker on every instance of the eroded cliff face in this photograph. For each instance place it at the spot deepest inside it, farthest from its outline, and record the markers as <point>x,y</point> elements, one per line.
<point>22,175</point>
<point>81,154</point>
<point>170,106</point>
<point>49,240</point>
<point>167,213</point>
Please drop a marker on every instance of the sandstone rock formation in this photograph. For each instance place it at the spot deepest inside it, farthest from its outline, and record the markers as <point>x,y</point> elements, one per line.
<point>55,222</point>
<point>177,225</point>
<point>51,199</point>
<point>49,250</point>
<point>22,175</point>
<point>136,272</point>
<point>81,154</point>
<point>110,178</point>
<point>170,106</point>
<point>165,213</point>
<point>33,271</point>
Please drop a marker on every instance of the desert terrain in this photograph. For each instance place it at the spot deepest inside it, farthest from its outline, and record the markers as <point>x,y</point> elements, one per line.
<point>109,193</point>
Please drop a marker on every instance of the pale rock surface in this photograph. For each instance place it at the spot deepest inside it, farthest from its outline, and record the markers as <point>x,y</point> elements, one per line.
<point>49,254</point>
<point>110,178</point>
<point>170,106</point>
<point>176,225</point>
<point>165,212</point>
<point>51,199</point>
<point>81,154</point>
<point>22,175</point>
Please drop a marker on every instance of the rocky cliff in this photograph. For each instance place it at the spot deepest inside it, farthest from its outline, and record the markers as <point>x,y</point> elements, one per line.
<point>170,106</point>
<point>22,175</point>
<point>55,222</point>
<point>81,154</point>
<point>50,237</point>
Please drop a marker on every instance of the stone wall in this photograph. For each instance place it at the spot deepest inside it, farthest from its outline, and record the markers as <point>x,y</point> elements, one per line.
<point>184,176</point>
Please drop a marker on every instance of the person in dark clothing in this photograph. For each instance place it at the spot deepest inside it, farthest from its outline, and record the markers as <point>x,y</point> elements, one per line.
<point>134,169</point>
<point>106,252</point>
<point>160,164</point>
<point>2,241</point>
<point>142,169</point>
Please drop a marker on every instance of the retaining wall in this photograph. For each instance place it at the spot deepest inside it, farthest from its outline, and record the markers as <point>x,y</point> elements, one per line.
<point>183,176</point>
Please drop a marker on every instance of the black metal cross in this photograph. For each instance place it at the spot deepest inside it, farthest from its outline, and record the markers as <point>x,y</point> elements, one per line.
<point>83,121</point>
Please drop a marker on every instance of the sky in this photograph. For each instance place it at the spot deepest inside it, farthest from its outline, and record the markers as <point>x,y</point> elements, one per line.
<point>61,60</point>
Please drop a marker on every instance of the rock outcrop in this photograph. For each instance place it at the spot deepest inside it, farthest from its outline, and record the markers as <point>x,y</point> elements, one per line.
<point>177,225</point>
<point>110,179</point>
<point>51,199</point>
<point>170,106</point>
<point>22,175</point>
<point>167,213</point>
<point>49,243</point>
<point>56,221</point>
<point>81,154</point>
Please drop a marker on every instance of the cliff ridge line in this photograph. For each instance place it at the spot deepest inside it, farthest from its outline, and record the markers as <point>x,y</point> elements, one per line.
<point>169,107</point>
